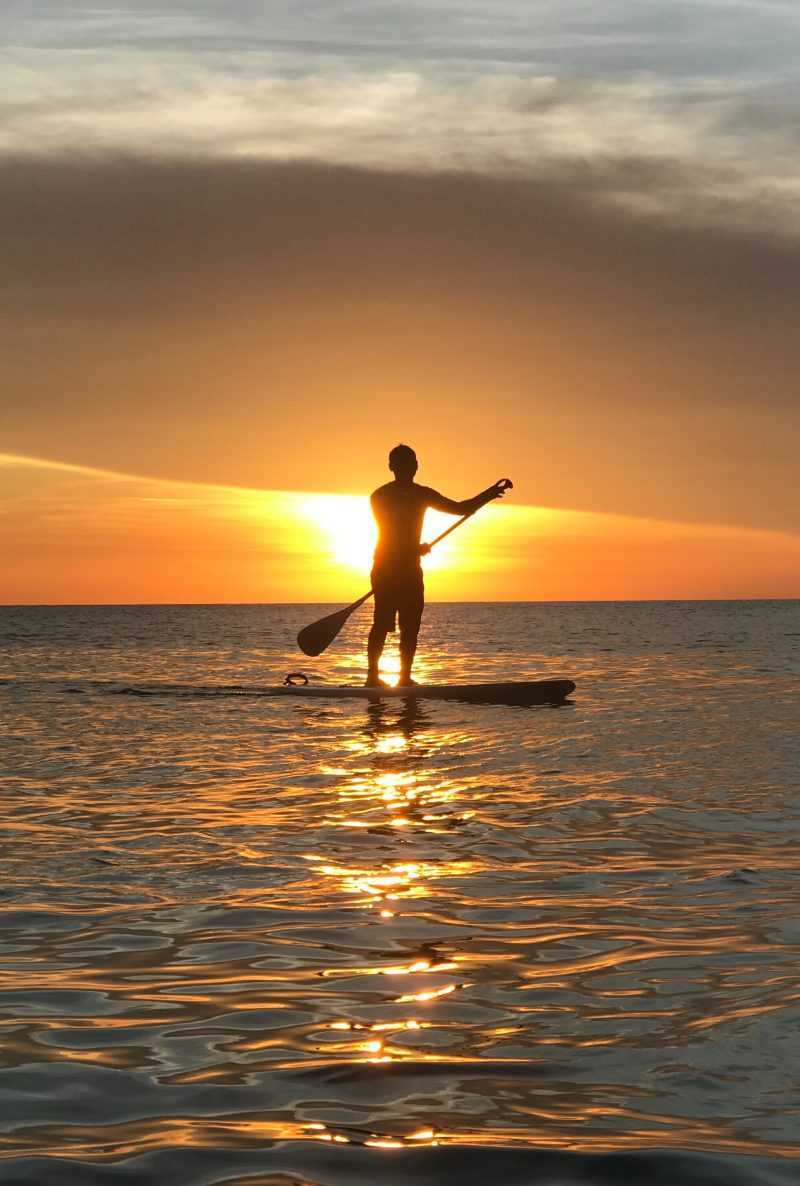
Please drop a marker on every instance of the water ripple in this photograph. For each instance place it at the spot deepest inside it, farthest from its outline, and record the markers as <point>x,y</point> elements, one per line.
<point>281,941</point>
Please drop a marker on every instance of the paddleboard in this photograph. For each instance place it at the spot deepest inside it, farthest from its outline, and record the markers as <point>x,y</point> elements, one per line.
<point>548,691</point>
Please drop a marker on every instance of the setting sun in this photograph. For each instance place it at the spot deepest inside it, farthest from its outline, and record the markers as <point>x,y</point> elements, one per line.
<point>347,526</point>
<point>349,532</point>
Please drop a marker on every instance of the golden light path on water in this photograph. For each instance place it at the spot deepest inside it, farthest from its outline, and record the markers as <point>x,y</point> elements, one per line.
<point>395,797</point>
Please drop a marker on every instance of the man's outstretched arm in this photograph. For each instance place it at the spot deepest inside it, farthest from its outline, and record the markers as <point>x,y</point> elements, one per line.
<point>469,505</point>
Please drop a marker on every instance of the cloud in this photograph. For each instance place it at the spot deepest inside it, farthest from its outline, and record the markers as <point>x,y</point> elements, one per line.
<point>681,38</point>
<point>720,152</point>
<point>515,86</point>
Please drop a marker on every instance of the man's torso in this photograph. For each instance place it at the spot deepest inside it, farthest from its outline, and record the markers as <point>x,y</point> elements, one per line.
<point>399,510</point>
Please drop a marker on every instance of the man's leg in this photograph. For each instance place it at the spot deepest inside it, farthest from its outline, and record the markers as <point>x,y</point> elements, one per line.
<point>408,649</point>
<point>375,645</point>
<point>383,623</point>
<point>410,620</point>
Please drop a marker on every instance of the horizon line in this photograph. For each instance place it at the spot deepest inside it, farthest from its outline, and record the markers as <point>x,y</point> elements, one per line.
<point>470,601</point>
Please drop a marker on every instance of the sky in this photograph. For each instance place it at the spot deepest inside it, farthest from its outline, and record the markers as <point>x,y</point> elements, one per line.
<point>248,247</point>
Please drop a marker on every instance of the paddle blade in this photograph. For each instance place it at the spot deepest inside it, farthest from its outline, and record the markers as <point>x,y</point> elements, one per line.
<point>313,639</point>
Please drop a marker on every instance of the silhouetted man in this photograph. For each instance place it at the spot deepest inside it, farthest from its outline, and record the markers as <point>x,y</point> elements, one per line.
<point>399,509</point>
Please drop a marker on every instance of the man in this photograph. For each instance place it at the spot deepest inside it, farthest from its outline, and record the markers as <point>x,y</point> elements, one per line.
<point>399,509</point>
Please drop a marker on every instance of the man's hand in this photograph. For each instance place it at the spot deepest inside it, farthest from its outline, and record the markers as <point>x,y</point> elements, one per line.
<point>424,549</point>
<point>499,488</point>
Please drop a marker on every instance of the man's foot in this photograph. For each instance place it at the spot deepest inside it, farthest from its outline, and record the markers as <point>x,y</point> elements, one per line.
<point>374,681</point>
<point>406,681</point>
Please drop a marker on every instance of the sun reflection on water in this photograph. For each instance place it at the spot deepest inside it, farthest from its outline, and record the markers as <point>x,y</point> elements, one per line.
<point>383,789</point>
<point>346,1135</point>
<point>389,787</point>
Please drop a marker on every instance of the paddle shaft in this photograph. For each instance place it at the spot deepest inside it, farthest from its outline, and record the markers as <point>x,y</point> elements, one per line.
<point>452,527</point>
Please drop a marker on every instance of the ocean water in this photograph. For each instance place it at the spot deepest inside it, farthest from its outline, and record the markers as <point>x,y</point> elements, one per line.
<point>268,942</point>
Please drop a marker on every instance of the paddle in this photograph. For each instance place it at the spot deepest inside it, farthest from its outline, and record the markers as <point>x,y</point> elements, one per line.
<point>314,639</point>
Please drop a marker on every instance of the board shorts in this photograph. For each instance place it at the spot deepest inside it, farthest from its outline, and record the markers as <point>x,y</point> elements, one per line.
<point>399,595</point>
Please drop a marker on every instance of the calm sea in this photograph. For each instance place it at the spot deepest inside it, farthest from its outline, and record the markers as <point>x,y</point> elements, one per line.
<point>248,940</point>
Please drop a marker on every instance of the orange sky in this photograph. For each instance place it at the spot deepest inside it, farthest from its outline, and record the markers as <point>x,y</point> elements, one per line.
<point>71,534</point>
<point>250,358</point>
<point>247,252</point>
<point>281,327</point>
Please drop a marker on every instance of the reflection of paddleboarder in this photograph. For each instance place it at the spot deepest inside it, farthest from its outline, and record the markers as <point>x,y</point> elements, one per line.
<point>399,509</point>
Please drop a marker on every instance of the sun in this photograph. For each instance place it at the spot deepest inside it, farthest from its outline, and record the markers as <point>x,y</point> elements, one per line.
<point>348,529</point>
<point>348,532</point>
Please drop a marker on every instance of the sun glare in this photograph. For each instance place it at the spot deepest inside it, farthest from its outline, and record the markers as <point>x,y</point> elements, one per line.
<point>347,526</point>
<point>349,533</point>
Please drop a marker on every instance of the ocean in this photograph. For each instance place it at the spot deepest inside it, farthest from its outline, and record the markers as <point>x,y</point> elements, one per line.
<point>267,942</point>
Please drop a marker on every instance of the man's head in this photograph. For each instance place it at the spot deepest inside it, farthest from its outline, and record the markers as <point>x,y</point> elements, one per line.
<point>403,461</point>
